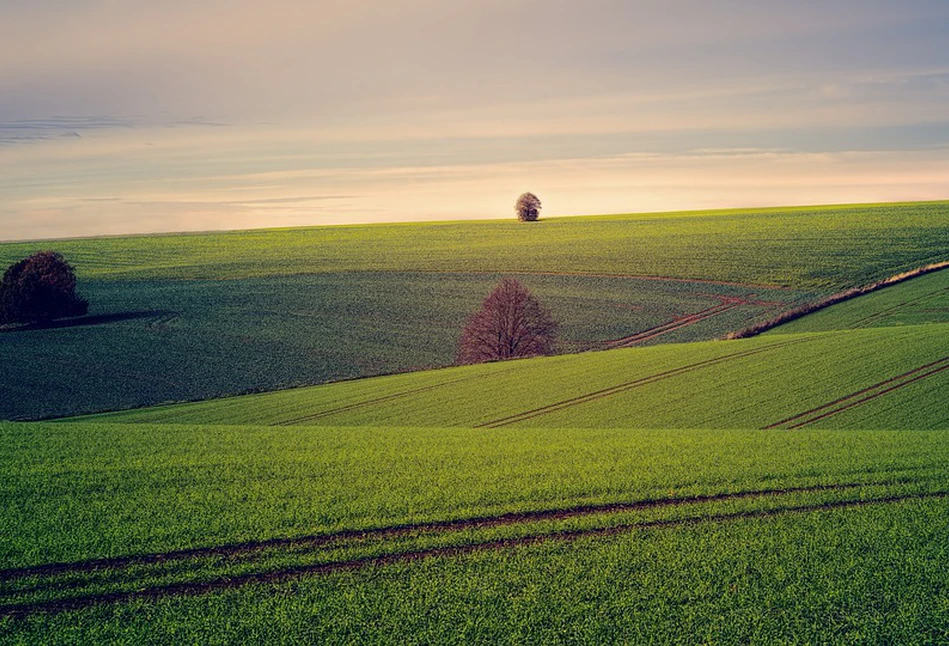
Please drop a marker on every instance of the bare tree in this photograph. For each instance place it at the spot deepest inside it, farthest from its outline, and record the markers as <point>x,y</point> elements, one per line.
<point>511,323</point>
<point>527,207</point>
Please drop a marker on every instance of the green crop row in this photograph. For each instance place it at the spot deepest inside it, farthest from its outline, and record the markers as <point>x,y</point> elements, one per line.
<point>749,383</point>
<point>862,562</point>
<point>923,299</point>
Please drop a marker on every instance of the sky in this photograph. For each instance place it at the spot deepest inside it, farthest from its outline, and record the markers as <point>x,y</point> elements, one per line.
<point>133,116</point>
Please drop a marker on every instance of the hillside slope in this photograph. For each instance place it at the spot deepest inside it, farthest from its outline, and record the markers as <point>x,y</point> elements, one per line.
<point>894,377</point>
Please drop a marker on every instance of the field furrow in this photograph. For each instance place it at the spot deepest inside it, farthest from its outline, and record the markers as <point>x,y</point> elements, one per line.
<point>676,324</point>
<point>862,396</point>
<point>619,388</point>
<point>31,591</point>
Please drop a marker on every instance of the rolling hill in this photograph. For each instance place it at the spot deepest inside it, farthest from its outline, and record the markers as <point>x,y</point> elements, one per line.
<point>789,487</point>
<point>191,317</point>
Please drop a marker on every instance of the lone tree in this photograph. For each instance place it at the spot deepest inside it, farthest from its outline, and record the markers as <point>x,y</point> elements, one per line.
<point>511,323</point>
<point>38,289</point>
<point>527,207</point>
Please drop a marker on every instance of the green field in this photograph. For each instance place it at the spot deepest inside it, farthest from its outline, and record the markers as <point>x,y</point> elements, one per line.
<point>820,248</point>
<point>785,488</point>
<point>190,317</point>
<point>275,505</point>
<point>152,341</point>
<point>750,383</point>
<point>924,299</point>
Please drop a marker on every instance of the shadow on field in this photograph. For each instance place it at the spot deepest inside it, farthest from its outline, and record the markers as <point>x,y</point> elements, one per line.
<point>98,319</point>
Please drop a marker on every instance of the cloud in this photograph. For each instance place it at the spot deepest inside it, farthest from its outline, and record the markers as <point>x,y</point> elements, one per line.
<point>293,109</point>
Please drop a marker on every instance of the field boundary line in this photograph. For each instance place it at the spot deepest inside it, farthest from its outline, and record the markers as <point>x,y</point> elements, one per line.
<point>629,385</point>
<point>294,573</point>
<point>833,299</point>
<point>593,274</point>
<point>847,401</point>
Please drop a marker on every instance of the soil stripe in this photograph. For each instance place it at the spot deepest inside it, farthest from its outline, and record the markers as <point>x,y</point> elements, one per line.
<point>398,530</point>
<point>676,324</point>
<point>869,389</point>
<point>192,589</point>
<point>871,397</point>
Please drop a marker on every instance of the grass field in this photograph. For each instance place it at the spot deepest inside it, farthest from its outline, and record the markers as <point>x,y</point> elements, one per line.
<point>810,248</point>
<point>208,530</point>
<point>155,341</point>
<point>761,382</point>
<point>190,317</point>
<point>786,488</point>
<point>924,299</point>
<point>869,574</point>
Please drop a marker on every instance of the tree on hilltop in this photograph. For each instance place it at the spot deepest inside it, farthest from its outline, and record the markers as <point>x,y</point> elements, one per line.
<point>511,323</point>
<point>38,289</point>
<point>527,207</point>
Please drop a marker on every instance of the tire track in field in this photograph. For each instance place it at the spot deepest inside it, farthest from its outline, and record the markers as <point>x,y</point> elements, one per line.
<point>882,314</point>
<point>677,323</point>
<point>391,531</point>
<point>727,303</point>
<point>629,385</point>
<point>295,573</point>
<point>861,396</point>
<point>385,398</point>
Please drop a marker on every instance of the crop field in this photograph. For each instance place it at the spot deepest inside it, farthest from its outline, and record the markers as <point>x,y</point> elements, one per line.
<point>763,382</point>
<point>191,317</point>
<point>393,534</point>
<point>785,488</point>
<point>148,342</point>
<point>924,299</point>
<point>810,248</point>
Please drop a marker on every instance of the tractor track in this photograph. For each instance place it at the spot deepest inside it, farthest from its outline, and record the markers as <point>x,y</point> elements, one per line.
<point>390,531</point>
<point>861,396</point>
<point>629,385</point>
<point>676,324</point>
<point>295,573</point>
<point>882,314</point>
<point>383,399</point>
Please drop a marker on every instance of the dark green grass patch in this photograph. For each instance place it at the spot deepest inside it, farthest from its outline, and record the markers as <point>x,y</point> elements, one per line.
<point>148,342</point>
<point>758,382</point>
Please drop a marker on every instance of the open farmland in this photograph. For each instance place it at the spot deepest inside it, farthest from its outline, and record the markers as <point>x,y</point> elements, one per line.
<point>153,341</point>
<point>789,487</point>
<point>763,382</point>
<point>820,247</point>
<point>921,300</point>
<point>189,317</point>
<point>354,533</point>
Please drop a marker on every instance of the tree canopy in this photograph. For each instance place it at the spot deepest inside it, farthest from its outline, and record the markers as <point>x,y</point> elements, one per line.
<point>511,323</point>
<point>39,289</point>
<point>527,207</point>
